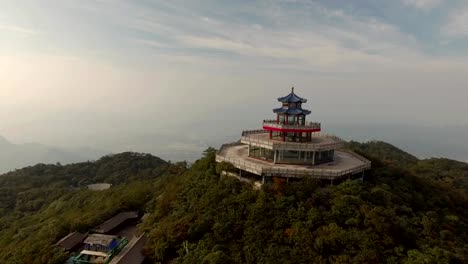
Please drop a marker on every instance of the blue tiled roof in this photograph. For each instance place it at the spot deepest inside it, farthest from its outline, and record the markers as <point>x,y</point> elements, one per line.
<point>292,98</point>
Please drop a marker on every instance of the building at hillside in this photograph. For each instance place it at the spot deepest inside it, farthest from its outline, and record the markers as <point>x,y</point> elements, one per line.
<point>99,249</point>
<point>72,241</point>
<point>117,223</point>
<point>291,147</point>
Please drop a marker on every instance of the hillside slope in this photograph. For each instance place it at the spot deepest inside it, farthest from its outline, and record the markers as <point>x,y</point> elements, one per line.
<point>42,203</point>
<point>409,211</point>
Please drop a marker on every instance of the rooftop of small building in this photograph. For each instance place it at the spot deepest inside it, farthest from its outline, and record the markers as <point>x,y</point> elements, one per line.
<point>99,186</point>
<point>99,239</point>
<point>71,241</point>
<point>115,221</point>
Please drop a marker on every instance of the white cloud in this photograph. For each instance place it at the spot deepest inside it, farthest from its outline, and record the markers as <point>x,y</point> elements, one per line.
<point>216,43</point>
<point>305,42</point>
<point>150,43</point>
<point>457,25</point>
<point>18,30</point>
<point>423,4</point>
<point>290,36</point>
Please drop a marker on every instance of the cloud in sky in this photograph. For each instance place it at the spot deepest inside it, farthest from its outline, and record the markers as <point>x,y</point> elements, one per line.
<point>423,4</point>
<point>96,69</point>
<point>18,29</point>
<point>292,33</point>
<point>457,25</point>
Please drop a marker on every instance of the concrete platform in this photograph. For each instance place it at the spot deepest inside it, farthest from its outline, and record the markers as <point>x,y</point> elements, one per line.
<point>345,164</point>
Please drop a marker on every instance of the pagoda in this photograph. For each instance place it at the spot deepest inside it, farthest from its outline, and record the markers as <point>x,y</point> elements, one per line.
<point>291,147</point>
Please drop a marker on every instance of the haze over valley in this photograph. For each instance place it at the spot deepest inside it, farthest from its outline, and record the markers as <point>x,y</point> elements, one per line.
<point>422,141</point>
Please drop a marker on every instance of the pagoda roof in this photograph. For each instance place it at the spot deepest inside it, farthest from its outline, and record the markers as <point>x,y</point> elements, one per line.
<point>291,111</point>
<point>292,98</point>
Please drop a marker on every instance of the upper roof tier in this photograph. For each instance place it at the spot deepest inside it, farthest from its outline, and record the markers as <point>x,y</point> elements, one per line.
<point>292,105</point>
<point>292,98</point>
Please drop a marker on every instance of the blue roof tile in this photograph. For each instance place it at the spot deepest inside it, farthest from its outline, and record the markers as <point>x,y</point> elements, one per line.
<point>292,98</point>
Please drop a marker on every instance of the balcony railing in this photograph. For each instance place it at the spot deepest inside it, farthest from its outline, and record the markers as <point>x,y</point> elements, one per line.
<point>319,173</point>
<point>251,132</point>
<point>260,138</point>
<point>307,125</point>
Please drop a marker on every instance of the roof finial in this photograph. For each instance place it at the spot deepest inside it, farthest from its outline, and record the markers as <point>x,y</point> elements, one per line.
<point>292,89</point>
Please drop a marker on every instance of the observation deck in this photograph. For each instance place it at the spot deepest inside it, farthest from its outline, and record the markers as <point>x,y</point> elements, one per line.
<point>346,163</point>
<point>319,142</point>
<point>307,127</point>
<point>291,147</point>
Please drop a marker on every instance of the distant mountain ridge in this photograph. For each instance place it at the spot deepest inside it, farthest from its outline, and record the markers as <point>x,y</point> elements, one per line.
<point>14,156</point>
<point>3,142</point>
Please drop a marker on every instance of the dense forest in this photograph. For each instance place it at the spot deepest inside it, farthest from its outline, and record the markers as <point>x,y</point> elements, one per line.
<point>42,203</point>
<point>406,211</point>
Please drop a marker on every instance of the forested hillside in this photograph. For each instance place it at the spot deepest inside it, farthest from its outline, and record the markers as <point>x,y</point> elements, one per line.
<point>42,203</point>
<point>407,211</point>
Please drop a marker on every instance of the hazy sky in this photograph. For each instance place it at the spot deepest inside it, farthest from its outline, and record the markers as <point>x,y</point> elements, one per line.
<point>76,72</point>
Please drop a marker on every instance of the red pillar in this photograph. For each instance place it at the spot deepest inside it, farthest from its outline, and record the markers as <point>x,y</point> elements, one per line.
<point>271,134</point>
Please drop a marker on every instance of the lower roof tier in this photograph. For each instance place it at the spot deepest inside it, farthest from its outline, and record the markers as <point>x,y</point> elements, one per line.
<point>345,163</point>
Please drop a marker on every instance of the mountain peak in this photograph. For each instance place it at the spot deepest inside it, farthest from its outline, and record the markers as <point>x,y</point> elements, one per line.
<point>4,141</point>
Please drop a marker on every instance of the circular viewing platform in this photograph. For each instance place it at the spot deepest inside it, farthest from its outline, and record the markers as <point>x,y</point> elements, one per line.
<point>319,142</point>
<point>345,164</point>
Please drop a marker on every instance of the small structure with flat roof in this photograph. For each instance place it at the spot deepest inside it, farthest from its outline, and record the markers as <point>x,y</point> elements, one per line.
<point>72,241</point>
<point>115,222</point>
<point>291,147</point>
<point>99,248</point>
<point>99,186</point>
<point>99,242</point>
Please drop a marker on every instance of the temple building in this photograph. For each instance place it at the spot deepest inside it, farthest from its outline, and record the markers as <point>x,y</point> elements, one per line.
<point>291,147</point>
